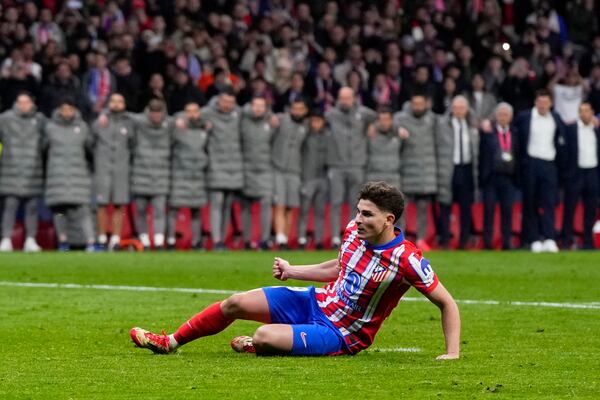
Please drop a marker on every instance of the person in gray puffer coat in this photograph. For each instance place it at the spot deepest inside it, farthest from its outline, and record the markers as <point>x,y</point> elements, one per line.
<point>315,187</point>
<point>68,143</point>
<point>384,150</point>
<point>346,154</point>
<point>257,135</point>
<point>151,169</point>
<point>188,173</point>
<point>417,126</point>
<point>112,157</point>
<point>457,168</point>
<point>225,173</point>
<point>21,169</point>
<point>286,155</point>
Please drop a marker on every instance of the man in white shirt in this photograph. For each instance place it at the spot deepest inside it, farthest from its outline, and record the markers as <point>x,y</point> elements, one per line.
<point>583,173</point>
<point>540,133</point>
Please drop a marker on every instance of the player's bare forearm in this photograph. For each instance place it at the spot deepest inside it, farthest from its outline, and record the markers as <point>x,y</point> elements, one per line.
<point>324,272</point>
<point>450,321</point>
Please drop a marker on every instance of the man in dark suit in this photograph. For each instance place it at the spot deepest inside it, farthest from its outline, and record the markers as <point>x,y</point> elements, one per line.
<point>582,174</point>
<point>540,133</point>
<point>497,173</point>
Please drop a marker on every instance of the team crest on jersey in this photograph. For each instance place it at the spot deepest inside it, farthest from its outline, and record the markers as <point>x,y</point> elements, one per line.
<point>380,273</point>
<point>123,131</point>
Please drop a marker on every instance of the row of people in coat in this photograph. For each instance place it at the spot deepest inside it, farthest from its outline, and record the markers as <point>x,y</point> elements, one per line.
<point>535,154</point>
<point>217,154</point>
<point>222,152</point>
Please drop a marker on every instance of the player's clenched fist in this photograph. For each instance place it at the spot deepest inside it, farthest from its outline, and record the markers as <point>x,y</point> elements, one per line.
<point>280,267</point>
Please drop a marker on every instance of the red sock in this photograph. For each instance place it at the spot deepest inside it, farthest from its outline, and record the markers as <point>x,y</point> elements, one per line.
<point>208,322</point>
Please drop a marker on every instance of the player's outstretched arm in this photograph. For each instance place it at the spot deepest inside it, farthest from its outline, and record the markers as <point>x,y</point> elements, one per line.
<point>450,321</point>
<point>324,272</point>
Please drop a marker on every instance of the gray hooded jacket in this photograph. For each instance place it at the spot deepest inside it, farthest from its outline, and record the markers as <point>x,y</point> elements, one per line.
<point>68,179</point>
<point>287,144</point>
<point>112,152</point>
<point>188,165</point>
<point>21,169</point>
<point>418,152</point>
<point>225,165</point>
<point>151,156</point>
<point>347,144</point>
<point>384,157</point>
<point>257,137</point>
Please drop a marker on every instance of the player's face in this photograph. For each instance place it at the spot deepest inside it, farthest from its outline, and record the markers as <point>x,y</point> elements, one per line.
<point>543,104</point>
<point>298,110</point>
<point>116,103</point>
<point>24,104</point>
<point>504,116</point>
<point>346,98</point>
<point>226,103</point>
<point>385,121</point>
<point>586,113</point>
<point>259,107</point>
<point>155,117</point>
<point>192,111</point>
<point>460,109</point>
<point>67,111</point>
<point>317,123</point>
<point>371,222</point>
<point>418,105</point>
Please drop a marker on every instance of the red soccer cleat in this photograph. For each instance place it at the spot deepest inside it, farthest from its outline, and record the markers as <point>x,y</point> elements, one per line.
<point>157,343</point>
<point>243,344</point>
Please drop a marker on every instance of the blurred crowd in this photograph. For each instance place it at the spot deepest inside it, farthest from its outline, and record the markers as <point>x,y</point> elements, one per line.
<point>179,104</point>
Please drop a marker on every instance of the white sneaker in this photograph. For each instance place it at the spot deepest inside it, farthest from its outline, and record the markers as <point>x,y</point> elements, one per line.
<point>114,241</point>
<point>537,246</point>
<point>280,239</point>
<point>596,227</point>
<point>550,246</point>
<point>336,241</point>
<point>145,239</point>
<point>159,240</point>
<point>31,246</point>
<point>6,245</point>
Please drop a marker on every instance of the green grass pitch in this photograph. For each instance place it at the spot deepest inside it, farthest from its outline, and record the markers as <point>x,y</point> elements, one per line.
<point>74,343</point>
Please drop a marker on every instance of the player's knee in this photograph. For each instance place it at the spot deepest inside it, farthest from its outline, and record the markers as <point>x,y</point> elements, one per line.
<point>232,306</point>
<point>262,339</point>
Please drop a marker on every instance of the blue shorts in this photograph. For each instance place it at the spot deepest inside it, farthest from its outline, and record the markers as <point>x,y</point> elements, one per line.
<point>314,334</point>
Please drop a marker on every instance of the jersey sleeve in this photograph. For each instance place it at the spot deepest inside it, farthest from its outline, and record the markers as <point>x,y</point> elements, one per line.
<point>351,227</point>
<point>418,272</point>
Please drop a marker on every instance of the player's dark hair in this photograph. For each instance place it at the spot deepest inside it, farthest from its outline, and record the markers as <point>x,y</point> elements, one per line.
<point>385,196</point>
<point>300,99</point>
<point>383,109</point>
<point>25,93</point>
<point>587,103</point>
<point>67,100</point>
<point>156,105</point>
<point>227,91</point>
<point>543,93</point>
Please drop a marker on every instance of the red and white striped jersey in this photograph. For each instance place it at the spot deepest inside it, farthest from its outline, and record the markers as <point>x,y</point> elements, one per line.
<point>371,282</point>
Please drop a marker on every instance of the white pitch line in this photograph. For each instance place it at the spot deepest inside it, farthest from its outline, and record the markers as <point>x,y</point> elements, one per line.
<point>115,287</point>
<point>585,306</point>
<point>396,350</point>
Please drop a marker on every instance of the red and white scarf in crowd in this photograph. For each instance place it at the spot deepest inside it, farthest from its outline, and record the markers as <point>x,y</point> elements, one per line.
<point>99,88</point>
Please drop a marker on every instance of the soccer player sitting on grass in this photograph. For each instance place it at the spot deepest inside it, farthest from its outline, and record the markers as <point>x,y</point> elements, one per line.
<point>374,269</point>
